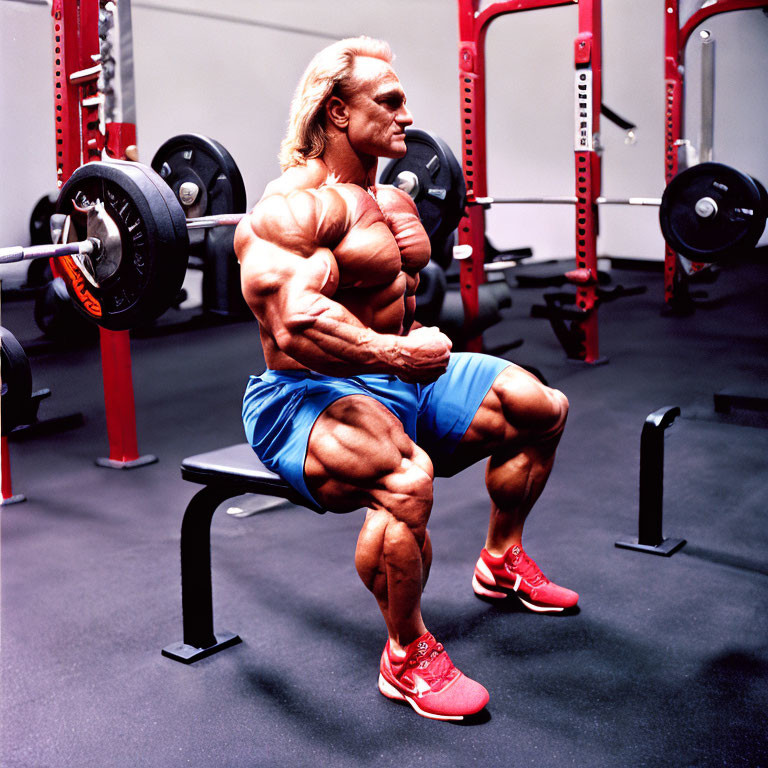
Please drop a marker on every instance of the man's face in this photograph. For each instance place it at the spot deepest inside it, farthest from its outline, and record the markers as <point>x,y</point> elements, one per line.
<point>377,113</point>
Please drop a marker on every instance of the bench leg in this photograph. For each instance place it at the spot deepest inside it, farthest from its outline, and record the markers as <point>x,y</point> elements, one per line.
<point>196,589</point>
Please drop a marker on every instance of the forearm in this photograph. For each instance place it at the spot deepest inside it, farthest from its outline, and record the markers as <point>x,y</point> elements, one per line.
<point>329,339</point>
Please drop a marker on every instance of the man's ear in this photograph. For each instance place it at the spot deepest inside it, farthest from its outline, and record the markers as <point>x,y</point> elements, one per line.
<point>337,112</point>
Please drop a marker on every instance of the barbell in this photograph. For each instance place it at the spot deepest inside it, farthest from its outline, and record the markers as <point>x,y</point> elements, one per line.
<point>123,242</point>
<point>123,236</point>
<point>709,212</point>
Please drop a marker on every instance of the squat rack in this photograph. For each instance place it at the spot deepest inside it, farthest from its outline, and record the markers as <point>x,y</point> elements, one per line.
<point>86,126</point>
<point>473,27</point>
<point>675,41</point>
<point>94,113</point>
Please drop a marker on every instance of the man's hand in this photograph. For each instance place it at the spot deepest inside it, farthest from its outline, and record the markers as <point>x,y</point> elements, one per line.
<point>423,355</point>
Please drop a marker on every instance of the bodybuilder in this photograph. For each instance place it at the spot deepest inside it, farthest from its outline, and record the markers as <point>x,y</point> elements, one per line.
<point>361,408</point>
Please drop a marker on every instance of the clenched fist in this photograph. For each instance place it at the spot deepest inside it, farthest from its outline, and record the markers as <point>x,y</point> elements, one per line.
<point>423,355</point>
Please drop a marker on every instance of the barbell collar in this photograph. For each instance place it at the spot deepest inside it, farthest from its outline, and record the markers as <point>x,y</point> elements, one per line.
<point>705,207</point>
<point>188,193</point>
<point>408,181</point>
<point>14,253</point>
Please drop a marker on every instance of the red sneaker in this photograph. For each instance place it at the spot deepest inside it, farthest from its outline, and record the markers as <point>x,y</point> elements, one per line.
<point>515,573</point>
<point>426,678</point>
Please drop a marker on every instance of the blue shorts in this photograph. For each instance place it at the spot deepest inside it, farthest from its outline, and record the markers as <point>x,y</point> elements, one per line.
<point>281,407</point>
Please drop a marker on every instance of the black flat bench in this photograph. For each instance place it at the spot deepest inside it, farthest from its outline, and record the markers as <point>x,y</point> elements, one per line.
<point>228,472</point>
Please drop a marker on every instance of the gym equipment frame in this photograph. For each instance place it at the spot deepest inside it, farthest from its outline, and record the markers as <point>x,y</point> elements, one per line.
<point>89,122</point>
<point>675,41</point>
<point>473,27</point>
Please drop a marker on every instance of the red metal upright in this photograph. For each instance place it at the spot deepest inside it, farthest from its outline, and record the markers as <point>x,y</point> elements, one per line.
<point>473,25</point>
<point>472,227</point>
<point>6,487</point>
<point>673,123</point>
<point>675,41</point>
<point>81,136</point>
<point>588,73</point>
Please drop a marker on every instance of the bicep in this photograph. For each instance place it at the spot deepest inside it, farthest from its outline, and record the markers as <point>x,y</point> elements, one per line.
<point>285,258</point>
<point>275,278</point>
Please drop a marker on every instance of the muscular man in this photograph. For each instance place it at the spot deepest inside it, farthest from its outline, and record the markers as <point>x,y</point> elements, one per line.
<point>358,408</point>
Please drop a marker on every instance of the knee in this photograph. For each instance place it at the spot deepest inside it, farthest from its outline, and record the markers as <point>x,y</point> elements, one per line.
<point>555,413</point>
<point>399,540</point>
<point>533,407</point>
<point>560,408</point>
<point>408,496</point>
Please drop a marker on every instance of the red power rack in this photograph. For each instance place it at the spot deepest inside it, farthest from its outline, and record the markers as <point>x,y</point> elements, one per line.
<point>473,26</point>
<point>81,136</point>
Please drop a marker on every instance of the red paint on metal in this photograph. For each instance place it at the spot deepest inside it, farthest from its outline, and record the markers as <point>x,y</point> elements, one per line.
<point>721,6</point>
<point>5,470</point>
<point>120,136</point>
<point>79,140</point>
<point>473,26</point>
<point>588,178</point>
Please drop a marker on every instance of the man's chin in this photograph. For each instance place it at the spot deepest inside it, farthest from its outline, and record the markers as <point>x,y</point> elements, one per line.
<point>396,152</point>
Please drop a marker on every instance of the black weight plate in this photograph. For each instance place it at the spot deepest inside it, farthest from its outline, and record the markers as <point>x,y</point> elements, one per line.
<point>441,193</point>
<point>154,243</point>
<point>733,230</point>
<point>204,161</point>
<point>40,220</point>
<point>763,196</point>
<point>16,383</point>
<point>39,273</point>
<point>59,320</point>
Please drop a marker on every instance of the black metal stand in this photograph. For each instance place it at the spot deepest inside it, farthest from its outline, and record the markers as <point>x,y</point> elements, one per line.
<point>650,537</point>
<point>228,472</point>
<point>728,399</point>
<point>196,588</point>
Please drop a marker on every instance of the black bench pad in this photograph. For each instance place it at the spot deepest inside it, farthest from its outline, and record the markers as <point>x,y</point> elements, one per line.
<point>239,467</point>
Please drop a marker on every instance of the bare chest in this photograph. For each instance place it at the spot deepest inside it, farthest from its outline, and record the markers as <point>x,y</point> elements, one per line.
<point>384,244</point>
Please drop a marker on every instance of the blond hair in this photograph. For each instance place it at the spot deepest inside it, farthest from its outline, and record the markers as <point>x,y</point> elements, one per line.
<point>328,74</point>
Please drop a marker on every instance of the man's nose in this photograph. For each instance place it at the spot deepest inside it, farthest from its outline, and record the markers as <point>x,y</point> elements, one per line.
<point>405,118</point>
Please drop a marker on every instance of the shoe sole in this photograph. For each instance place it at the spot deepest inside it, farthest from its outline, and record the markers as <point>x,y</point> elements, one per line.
<point>483,592</point>
<point>391,692</point>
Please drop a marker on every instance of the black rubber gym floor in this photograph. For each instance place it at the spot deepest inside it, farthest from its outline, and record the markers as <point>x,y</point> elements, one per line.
<point>664,665</point>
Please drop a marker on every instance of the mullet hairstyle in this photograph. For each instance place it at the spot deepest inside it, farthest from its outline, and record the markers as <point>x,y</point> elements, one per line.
<point>327,75</point>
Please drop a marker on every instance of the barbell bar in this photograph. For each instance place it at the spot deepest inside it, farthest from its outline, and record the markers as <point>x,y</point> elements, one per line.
<point>218,220</point>
<point>13,253</point>
<point>565,200</point>
<point>93,246</point>
<point>124,241</point>
<point>708,212</point>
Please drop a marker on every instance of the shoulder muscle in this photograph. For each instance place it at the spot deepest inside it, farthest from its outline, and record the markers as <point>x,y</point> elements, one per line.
<point>302,221</point>
<point>395,200</point>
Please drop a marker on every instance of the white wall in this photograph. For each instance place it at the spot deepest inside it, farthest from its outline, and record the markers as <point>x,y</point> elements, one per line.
<point>229,69</point>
